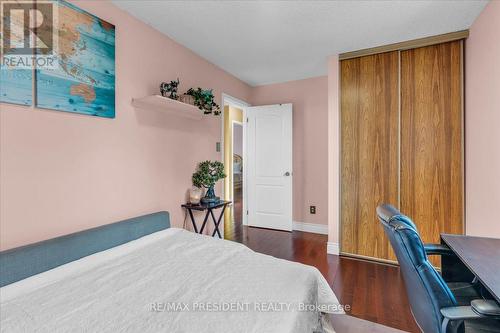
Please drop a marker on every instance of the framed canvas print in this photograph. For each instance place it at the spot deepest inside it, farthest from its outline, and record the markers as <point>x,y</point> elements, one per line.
<point>16,82</point>
<point>83,80</point>
<point>16,86</point>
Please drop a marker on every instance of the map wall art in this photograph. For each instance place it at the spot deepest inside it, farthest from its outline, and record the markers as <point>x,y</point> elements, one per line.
<point>81,78</point>
<point>84,80</point>
<point>16,83</point>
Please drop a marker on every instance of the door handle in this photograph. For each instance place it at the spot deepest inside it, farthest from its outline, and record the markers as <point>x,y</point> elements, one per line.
<point>287,174</point>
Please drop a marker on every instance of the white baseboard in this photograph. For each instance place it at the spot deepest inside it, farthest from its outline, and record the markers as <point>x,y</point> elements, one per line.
<point>311,227</point>
<point>332,248</point>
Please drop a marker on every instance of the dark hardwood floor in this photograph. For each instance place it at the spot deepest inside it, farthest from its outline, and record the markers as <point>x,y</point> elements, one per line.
<point>374,291</point>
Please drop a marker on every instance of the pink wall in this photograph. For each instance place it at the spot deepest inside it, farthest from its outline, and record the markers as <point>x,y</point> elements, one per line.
<point>310,163</point>
<point>482,123</point>
<point>63,172</point>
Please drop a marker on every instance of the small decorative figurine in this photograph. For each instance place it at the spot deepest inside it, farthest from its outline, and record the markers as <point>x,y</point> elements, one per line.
<point>170,88</point>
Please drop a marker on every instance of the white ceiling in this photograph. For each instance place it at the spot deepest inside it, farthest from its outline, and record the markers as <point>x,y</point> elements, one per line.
<point>264,42</point>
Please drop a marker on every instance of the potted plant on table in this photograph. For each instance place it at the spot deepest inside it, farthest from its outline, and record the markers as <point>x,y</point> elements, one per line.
<point>206,175</point>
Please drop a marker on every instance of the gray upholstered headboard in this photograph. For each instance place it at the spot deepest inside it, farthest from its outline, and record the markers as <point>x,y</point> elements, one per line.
<point>22,262</point>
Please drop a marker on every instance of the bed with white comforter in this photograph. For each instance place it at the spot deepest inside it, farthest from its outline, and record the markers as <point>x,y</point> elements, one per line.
<point>171,281</point>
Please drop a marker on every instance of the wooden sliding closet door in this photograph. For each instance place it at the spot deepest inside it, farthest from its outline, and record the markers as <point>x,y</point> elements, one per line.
<point>369,150</point>
<point>432,139</point>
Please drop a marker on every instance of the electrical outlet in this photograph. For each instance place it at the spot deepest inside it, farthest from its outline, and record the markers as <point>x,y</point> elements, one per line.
<point>312,209</point>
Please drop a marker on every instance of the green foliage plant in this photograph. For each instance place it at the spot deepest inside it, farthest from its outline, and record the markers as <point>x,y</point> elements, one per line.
<point>208,173</point>
<point>204,100</point>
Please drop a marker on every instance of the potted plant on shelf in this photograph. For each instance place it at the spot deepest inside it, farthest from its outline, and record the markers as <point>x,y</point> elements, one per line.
<point>170,89</point>
<point>206,175</point>
<point>204,100</point>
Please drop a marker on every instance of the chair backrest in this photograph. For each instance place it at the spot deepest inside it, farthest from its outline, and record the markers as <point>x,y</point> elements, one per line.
<point>427,292</point>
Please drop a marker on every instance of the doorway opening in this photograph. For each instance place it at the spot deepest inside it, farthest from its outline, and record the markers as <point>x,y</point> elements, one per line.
<point>237,171</point>
<point>257,156</point>
<point>233,162</point>
<point>233,155</point>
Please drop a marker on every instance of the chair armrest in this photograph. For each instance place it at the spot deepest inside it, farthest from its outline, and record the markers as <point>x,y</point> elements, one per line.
<point>459,313</point>
<point>479,309</point>
<point>438,249</point>
<point>486,308</point>
<point>453,316</point>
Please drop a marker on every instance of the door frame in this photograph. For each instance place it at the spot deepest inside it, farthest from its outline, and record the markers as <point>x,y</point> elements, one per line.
<point>240,104</point>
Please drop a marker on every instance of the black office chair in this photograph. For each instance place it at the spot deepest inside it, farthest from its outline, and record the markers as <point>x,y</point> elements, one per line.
<point>432,303</point>
<point>463,290</point>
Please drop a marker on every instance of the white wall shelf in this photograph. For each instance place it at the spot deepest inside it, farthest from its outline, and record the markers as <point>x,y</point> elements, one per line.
<point>168,105</point>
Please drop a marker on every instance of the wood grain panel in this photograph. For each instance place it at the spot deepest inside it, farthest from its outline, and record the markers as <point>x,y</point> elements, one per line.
<point>432,139</point>
<point>369,150</point>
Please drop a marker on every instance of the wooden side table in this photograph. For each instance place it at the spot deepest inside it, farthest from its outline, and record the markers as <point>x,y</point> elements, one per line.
<point>210,212</point>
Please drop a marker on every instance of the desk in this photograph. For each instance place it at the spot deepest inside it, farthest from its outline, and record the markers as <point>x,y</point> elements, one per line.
<point>480,255</point>
<point>210,212</point>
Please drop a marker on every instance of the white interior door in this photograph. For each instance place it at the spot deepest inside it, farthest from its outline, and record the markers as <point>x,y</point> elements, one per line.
<point>269,163</point>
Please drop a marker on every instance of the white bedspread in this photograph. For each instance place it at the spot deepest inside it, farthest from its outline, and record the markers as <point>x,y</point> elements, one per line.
<point>170,281</point>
